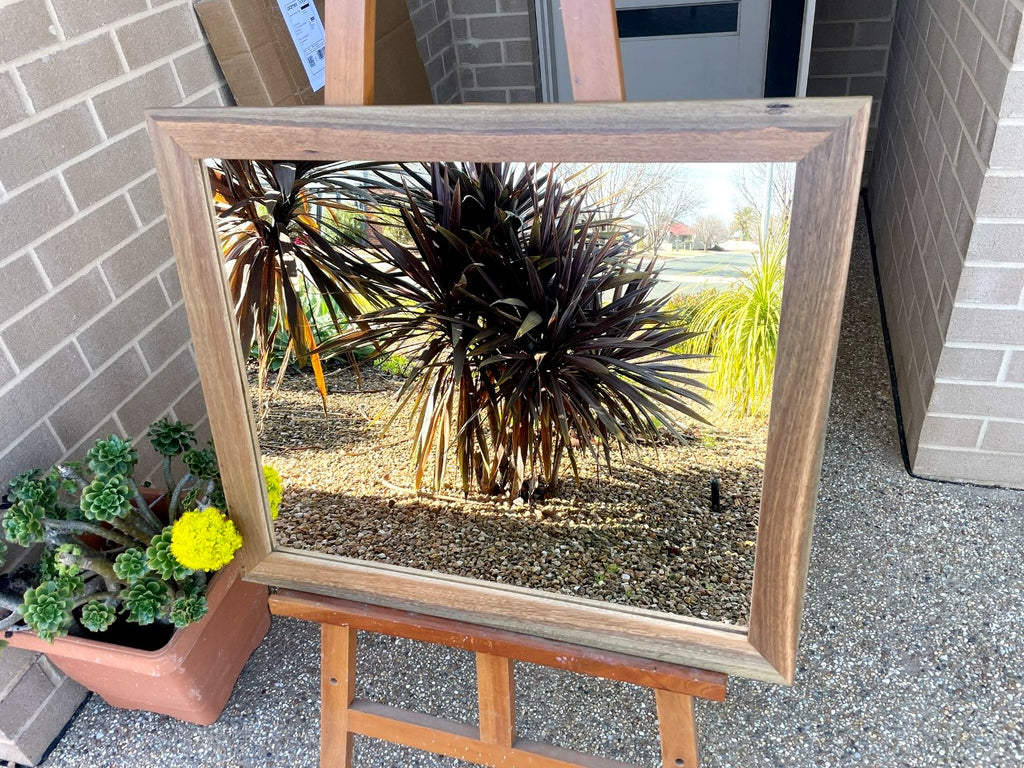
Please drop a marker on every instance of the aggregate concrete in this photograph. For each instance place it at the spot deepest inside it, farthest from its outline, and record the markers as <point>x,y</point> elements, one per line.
<point>912,649</point>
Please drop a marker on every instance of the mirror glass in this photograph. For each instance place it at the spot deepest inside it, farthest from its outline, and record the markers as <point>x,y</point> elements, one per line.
<point>549,376</point>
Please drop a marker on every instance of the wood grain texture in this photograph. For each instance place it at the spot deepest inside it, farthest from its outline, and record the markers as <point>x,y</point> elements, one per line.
<point>825,209</point>
<point>349,28</point>
<point>678,734</point>
<point>460,740</point>
<point>719,131</point>
<point>497,642</point>
<point>496,698</point>
<point>826,136</point>
<point>592,45</point>
<point>337,692</point>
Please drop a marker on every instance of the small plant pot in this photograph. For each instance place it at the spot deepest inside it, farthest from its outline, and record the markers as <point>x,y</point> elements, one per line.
<point>192,676</point>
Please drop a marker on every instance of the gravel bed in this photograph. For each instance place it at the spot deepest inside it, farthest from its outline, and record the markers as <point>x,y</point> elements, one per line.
<point>642,534</point>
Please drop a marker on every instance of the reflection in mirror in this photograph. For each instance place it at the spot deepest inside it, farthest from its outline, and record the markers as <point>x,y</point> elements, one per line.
<point>550,376</point>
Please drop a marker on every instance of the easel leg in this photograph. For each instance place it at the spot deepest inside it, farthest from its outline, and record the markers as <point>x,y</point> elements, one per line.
<point>678,735</point>
<point>496,689</point>
<point>337,691</point>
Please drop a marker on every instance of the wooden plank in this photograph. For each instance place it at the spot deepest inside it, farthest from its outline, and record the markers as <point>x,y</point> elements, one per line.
<point>496,692</point>
<point>498,642</point>
<point>592,42</point>
<point>460,741</point>
<point>349,28</point>
<point>678,734</point>
<point>337,692</point>
<point>812,305</point>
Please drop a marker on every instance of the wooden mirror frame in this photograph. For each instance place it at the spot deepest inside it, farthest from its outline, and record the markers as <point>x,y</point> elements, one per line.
<point>824,137</point>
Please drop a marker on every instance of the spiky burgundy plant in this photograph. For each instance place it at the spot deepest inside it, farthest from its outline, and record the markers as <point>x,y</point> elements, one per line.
<point>534,332</point>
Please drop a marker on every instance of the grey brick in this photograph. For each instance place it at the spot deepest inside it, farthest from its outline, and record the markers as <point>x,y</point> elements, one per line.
<point>53,322</point>
<point>950,432</point>
<point>473,7</point>
<point>970,172</point>
<point>172,285</point>
<point>1002,197</point>
<point>873,33</point>
<point>834,35</point>
<point>513,6</point>
<point>505,76</point>
<point>1004,436</point>
<point>499,27</point>
<point>36,448</point>
<point>158,35</point>
<point>991,74</point>
<point>146,199</point>
<point>111,332</point>
<point>137,259</point>
<point>486,96</point>
<point>67,73</point>
<point>86,441</point>
<point>1015,368</point>
<point>35,393</point>
<point>35,149</point>
<point>971,325</point>
<point>1009,30</point>
<point>12,108</point>
<point>866,61</point>
<point>20,213</point>
<point>197,70</point>
<point>86,240</point>
<point>439,40</point>
<point>94,403</point>
<point>7,372</point>
<point>151,401</point>
<point>990,285</point>
<point>968,364</point>
<point>112,168</point>
<point>867,86</point>
<point>828,86</point>
<point>990,14</point>
<point>519,52</point>
<point>968,466</point>
<point>191,406</point>
<point>968,40</point>
<point>22,702</point>
<point>45,729</point>
<point>164,340</point>
<point>80,16</point>
<point>24,28</point>
<point>479,53</point>
<point>20,285</point>
<point>121,107</point>
<point>522,95</point>
<point>854,10</point>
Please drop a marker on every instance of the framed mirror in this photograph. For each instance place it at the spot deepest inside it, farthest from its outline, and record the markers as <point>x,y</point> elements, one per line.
<point>601,499</point>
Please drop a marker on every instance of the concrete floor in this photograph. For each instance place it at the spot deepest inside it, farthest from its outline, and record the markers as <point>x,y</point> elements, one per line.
<point>911,654</point>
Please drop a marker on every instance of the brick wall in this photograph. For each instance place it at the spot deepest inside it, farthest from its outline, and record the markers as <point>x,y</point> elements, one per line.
<point>946,195</point>
<point>850,52</point>
<point>93,336</point>
<point>489,46</point>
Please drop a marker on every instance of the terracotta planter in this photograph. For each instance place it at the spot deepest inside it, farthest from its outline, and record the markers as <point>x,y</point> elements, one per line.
<point>190,678</point>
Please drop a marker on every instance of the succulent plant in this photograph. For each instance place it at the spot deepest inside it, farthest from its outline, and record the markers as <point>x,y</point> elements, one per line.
<point>106,552</point>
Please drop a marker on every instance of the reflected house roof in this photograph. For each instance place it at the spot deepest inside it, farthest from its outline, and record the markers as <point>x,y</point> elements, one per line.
<point>680,230</point>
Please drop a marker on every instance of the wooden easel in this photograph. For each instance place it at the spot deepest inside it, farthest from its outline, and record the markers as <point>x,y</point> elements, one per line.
<point>596,70</point>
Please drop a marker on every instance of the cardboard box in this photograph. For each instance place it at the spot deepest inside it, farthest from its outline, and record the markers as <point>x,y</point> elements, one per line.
<point>263,67</point>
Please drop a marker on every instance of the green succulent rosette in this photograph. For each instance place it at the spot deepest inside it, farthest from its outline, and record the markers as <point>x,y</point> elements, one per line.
<point>47,610</point>
<point>188,610</point>
<point>97,616</point>
<point>131,565</point>
<point>30,488</point>
<point>145,600</point>
<point>106,498</point>
<point>171,438</point>
<point>202,463</point>
<point>160,560</point>
<point>23,523</point>
<point>112,456</point>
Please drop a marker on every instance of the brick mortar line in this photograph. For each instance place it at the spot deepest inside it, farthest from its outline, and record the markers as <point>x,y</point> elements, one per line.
<point>988,307</point>
<point>973,451</point>
<point>52,12</point>
<point>975,383</point>
<point>83,271</point>
<point>96,374</point>
<point>6,353</point>
<point>114,82</point>
<point>212,88</point>
<point>982,432</point>
<point>995,264</point>
<point>1007,62</point>
<point>1004,368</point>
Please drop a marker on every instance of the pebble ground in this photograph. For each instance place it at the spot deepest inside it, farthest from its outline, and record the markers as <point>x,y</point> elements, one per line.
<point>912,651</point>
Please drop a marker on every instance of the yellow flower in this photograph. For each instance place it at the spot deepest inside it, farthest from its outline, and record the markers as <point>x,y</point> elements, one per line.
<point>274,489</point>
<point>204,539</point>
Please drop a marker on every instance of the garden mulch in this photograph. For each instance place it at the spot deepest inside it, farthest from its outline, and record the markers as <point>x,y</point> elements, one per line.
<point>641,534</point>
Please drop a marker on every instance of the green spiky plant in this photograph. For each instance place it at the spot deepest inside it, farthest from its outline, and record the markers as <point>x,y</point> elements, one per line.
<point>739,328</point>
<point>533,332</point>
<point>106,552</point>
